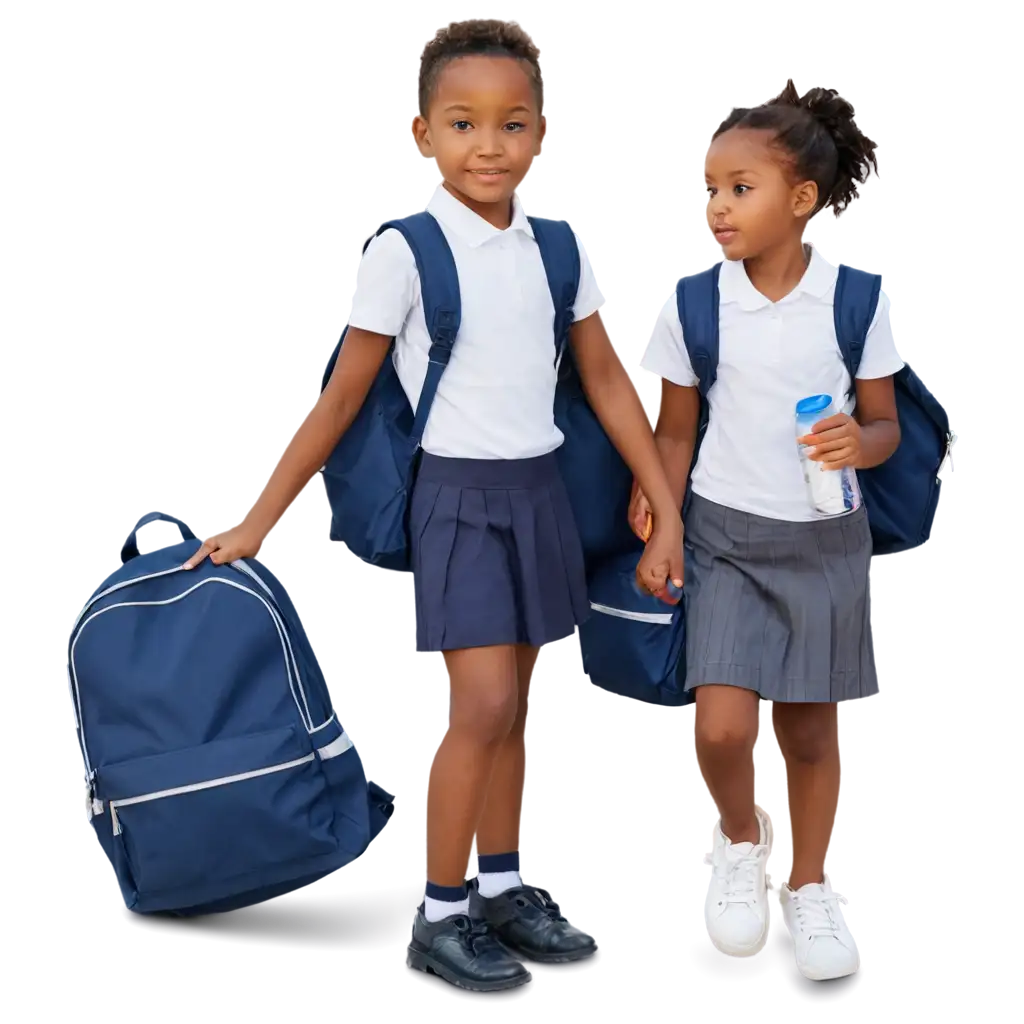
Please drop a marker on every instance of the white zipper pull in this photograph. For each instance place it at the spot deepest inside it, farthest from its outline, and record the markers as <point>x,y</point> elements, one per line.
<point>114,820</point>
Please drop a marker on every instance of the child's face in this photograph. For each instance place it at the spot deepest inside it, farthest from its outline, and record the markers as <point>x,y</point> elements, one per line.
<point>753,202</point>
<point>483,128</point>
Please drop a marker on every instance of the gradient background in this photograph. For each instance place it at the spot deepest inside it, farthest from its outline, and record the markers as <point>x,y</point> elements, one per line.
<point>180,194</point>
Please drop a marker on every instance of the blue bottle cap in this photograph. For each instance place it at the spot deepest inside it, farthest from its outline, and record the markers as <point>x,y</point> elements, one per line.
<point>814,404</point>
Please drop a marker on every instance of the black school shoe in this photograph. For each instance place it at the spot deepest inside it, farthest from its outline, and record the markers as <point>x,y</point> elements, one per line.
<point>528,922</point>
<point>464,953</point>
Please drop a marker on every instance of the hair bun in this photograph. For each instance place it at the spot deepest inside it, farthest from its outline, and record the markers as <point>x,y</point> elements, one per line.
<point>855,152</point>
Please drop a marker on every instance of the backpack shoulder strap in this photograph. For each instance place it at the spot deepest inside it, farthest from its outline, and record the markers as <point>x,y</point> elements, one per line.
<point>561,258</point>
<point>697,305</point>
<point>442,303</point>
<point>853,309</point>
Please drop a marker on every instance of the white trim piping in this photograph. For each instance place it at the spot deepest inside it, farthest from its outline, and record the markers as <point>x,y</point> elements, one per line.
<point>335,748</point>
<point>655,618</point>
<point>81,621</point>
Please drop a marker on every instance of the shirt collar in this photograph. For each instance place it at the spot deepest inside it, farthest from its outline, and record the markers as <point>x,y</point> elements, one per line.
<point>734,284</point>
<point>470,226</point>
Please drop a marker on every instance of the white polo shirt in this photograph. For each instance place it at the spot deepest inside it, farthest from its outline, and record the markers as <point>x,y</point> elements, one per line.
<point>771,355</point>
<point>496,397</point>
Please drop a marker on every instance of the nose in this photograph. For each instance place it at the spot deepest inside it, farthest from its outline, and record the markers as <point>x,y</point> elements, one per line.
<point>718,205</point>
<point>490,142</point>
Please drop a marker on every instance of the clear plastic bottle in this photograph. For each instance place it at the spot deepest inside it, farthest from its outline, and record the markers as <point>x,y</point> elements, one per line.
<point>833,492</point>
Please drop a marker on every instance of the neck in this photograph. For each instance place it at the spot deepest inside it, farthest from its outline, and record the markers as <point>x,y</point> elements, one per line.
<point>498,214</point>
<point>777,271</point>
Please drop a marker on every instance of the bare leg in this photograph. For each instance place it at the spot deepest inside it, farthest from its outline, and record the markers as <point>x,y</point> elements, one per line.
<point>726,730</point>
<point>484,703</point>
<point>808,735</point>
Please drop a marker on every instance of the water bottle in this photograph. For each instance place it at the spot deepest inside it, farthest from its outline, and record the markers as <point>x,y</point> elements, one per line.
<point>833,492</point>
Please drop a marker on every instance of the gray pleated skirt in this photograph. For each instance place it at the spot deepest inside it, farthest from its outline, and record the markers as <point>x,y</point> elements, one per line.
<point>495,554</point>
<point>777,607</point>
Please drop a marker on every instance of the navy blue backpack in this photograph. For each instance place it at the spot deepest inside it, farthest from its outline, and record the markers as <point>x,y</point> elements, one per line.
<point>217,772</point>
<point>632,642</point>
<point>902,494</point>
<point>370,474</point>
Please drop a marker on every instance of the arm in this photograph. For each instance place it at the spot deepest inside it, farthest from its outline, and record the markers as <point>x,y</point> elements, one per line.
<point>317,429</point>
<point>869,438</point>
<point>676,435</point>
<point>385,291</point>
<point>613,398</point>
<point>879,423</point>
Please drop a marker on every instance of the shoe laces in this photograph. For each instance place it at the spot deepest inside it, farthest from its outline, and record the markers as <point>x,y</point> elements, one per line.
<point>477,935</point>
<point>737,874</point>
<point>543,901</point>
<point>817,914</point>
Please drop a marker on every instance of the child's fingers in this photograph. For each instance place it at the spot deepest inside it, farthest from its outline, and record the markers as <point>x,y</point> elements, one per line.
<point>647,527</point>
<point>831,423</point>
<point>204,552</point>
<point>676,570</point>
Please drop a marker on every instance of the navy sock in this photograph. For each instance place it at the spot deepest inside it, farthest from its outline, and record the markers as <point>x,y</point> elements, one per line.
<point>494,863</point>
<point>443,901</point>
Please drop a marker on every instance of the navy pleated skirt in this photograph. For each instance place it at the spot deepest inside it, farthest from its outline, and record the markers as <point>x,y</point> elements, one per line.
<point>495,553</point>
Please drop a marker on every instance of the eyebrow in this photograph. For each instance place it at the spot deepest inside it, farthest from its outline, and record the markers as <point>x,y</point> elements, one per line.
<point>466,108</point>
<point>735,174</point>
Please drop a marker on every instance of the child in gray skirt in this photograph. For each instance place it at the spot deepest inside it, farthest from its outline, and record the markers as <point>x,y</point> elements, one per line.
<point>777,593</point>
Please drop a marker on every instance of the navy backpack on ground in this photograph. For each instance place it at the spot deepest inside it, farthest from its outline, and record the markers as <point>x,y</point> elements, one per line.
<point>370,474</point>
<point>900,495</point>
<point>217,772</point>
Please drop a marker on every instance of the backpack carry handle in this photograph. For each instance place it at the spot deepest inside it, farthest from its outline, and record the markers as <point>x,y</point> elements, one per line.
<point>155,528</point>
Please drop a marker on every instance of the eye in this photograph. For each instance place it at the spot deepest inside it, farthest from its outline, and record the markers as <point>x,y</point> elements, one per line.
<point>712,191</point>
<point>740,189</point>
<point>515,126</point>
<point>461,126</point>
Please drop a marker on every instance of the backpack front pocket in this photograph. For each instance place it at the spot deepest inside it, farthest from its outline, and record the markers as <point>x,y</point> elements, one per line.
<point>231,808</point>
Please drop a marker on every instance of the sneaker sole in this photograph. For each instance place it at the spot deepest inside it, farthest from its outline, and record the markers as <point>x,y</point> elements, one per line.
<point>814,976</point>
<point>420,961</point>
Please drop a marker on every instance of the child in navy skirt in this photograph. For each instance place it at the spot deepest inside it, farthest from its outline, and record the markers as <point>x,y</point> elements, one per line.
<point>777,594</point>
<point>497,561</point>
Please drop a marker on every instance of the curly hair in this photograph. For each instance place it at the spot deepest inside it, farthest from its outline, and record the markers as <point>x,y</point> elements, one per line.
<point>476,38</point>
<point>819,134</point>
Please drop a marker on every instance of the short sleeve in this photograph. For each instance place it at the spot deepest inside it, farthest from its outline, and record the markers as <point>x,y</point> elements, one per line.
<point>880,358</point>
<point>666,353</point>
<point>588,296</point>
<point>386,287</point>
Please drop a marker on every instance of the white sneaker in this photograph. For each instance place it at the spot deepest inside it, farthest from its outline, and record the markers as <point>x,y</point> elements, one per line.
<point>736,909</point>
<point>825,949</point>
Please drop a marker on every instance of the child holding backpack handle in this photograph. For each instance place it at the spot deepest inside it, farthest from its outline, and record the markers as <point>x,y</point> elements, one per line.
<point>496,556</point>
<point>777,594</point>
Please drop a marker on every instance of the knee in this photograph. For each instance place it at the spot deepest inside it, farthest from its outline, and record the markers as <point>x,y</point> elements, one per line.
<point>807,739</point>
<point>489,716</point>
<point>723,737</point>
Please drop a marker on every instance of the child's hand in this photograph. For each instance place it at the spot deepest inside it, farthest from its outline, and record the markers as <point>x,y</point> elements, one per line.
<point>660,571</point>
<point>640,517</point>
<point>241,542</point>
<point>834,442</point>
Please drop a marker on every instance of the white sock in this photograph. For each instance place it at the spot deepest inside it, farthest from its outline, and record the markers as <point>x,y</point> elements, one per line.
<point>494,883</point>
<point>438,910</point>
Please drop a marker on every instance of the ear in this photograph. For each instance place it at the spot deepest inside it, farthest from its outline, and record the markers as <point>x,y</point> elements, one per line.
<point>541,132</point>
<point>421,133</point>
<point>805,199</point>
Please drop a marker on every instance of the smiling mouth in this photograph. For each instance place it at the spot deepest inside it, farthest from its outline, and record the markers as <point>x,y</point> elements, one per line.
<point>489,173</point>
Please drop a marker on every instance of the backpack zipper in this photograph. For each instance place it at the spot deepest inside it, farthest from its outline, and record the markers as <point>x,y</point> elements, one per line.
<point>197,787</point>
